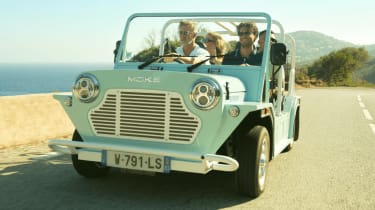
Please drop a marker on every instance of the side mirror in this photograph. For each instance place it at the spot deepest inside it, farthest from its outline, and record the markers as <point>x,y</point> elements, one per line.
<point>278,54</point>
<point>115,51</point>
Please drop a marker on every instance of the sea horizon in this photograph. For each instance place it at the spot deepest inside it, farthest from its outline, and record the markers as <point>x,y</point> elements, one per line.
<point>23,78</point>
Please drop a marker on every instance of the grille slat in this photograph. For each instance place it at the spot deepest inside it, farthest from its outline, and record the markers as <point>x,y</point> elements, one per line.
<point>142,136</point>
<point>153,125</point>
<point>143,105</point>
<point>141,122</point>
<point>142,111</point>
<point>183,128</point>
<point>105,115</point>
<point>101,117</point>
<point>142,115</point>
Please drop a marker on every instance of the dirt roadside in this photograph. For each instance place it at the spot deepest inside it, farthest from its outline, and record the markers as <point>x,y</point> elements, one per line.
<point>31,119</point>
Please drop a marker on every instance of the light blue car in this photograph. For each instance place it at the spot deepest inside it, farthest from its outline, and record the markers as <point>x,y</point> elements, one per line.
<point>156,116</point>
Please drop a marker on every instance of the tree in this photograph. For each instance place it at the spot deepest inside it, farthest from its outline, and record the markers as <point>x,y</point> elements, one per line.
<point>150,40</point>
<point>337,67</point>
<point>146,54</point>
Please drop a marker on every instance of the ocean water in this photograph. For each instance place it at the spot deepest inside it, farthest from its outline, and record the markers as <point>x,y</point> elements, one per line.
<point>32,78</point>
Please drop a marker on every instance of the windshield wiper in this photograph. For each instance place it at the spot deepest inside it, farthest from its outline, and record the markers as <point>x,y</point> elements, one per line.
<point>154,59</point>
<point>167,50</point>
<point>146,63</point>
<point>189,68</point>
<point>196,65</point>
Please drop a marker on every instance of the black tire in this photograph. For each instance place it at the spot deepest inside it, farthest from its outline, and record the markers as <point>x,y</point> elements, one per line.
<point>87,169</point>
<point>253,154</point>
<point>295,133</point>
<point>296,126</point>
<point>289,147</point>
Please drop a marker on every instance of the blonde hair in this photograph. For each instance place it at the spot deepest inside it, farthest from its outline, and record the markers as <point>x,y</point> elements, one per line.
<point>221,44</point>
<point>191,24</point>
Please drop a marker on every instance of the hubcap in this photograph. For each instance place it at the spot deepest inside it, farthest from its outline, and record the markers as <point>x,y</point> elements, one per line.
<point>262,171</point>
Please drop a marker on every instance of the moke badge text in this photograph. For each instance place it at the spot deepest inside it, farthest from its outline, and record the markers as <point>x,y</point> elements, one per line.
<point>144,79</point>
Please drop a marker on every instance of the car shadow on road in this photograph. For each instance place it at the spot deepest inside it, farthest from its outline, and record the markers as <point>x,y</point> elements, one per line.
<point>53,183</point>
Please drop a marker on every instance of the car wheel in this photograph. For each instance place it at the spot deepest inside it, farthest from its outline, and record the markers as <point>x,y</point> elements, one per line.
<point>87,169</point>
<point>295,133</point>
<point>296,126</point>
<point>289,147</point>
<point>253,154</point>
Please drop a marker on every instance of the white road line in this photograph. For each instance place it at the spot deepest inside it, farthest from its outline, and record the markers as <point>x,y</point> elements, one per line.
<point>372,126</point>
<point>47,156</point>
<point>367,114</point>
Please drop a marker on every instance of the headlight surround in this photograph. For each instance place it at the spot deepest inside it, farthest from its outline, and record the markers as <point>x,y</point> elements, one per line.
<point>86,87</point>
<point>205,93</point>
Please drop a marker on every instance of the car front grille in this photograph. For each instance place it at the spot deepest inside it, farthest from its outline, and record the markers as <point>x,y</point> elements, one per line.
<point>144,115</point>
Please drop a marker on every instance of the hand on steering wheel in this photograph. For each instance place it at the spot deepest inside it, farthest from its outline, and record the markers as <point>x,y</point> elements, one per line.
<point>172,57</point>
<point>178,60</point>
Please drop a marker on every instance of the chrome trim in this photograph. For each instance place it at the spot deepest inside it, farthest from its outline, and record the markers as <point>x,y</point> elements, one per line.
<point>234,111</point>
<point>86,84</point>
<point>68,101</point>
<point>180,161</point>
<point>263,163</point>
<point>209,87</point>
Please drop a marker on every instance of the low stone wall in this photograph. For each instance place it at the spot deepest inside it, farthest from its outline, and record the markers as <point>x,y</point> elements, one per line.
<point>31,119</point>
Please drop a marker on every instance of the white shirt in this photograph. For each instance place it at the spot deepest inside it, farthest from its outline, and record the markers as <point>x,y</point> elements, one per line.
<point>199,52</point>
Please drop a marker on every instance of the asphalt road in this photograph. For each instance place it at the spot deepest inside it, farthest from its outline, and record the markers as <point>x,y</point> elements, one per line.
<point>332,166</point>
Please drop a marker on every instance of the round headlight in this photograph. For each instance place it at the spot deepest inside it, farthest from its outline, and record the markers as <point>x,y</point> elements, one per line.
<point>86,88</point>
<point>205,93</point>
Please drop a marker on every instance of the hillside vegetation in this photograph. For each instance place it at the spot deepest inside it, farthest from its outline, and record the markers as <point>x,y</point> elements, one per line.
<point>315,51</point>
<point>366,73</point>
<point>311,45</point>
<point>336,68</point>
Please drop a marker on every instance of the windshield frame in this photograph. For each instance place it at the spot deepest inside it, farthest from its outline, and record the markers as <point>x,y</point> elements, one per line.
<point>258,17</point>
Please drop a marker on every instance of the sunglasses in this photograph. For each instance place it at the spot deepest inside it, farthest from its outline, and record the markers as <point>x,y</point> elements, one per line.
<point>205,40</point>
<point>185,33</point>
<point>247,33</point>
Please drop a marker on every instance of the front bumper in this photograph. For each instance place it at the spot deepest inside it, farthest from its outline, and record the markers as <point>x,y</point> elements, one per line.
<point>179,161</point>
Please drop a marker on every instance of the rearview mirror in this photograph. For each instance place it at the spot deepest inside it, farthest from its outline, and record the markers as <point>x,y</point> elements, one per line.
<point>278,54</point>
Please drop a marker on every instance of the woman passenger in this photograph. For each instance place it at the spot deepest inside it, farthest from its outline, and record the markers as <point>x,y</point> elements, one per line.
<point>216,46</point>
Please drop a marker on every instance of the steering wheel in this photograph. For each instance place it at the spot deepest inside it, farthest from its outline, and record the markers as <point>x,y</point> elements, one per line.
<point>178,60</point>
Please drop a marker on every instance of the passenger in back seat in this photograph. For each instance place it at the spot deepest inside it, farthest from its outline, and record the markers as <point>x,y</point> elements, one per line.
<point>261,39</point>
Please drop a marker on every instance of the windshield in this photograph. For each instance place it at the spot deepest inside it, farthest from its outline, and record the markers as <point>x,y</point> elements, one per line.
<point>210,39</point>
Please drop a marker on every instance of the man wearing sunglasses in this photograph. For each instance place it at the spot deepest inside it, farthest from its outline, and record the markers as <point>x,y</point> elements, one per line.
<point>245,53</point>
<point>189,51</point>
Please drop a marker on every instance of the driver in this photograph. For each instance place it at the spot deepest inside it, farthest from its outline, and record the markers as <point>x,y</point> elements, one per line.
<point>189,51</point>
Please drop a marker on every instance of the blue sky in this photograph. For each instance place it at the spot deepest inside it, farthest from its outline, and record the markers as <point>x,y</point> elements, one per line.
<point>86,30</point>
